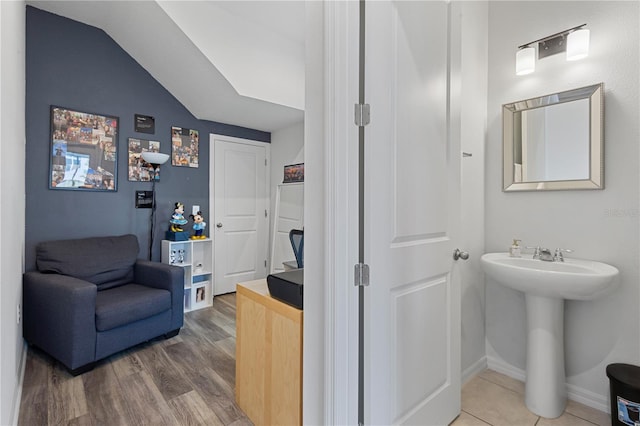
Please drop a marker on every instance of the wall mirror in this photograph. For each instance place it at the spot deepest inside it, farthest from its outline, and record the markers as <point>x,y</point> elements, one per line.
<point>554,142</point>
<point>288,215</point>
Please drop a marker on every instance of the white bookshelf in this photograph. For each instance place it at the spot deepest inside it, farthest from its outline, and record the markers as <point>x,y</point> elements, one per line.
<point>196,258</point>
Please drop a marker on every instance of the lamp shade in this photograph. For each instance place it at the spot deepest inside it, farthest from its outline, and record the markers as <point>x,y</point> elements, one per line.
<point>578,45</point>
<point>526,61</point>
<point>155,158</point>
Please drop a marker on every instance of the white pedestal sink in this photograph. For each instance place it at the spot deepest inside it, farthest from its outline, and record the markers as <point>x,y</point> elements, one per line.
<point>546,285</point>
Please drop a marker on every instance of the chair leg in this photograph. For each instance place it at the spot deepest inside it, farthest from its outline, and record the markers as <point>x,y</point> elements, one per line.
<point>171,334</point>
<point>82,370</point>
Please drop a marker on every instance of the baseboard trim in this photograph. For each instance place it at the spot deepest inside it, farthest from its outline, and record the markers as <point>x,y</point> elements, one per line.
<point>475,368</point>
<point>17,396</point>
<point>588,398</point>
<point>500,366</point>
<point>574,393</point>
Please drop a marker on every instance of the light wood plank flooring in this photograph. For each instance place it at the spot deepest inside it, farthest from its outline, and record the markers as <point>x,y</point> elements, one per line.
<point>186,380</point>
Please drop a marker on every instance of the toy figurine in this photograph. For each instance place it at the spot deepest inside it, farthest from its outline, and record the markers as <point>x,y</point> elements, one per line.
<point>177,219</point>
<point>198,226</point>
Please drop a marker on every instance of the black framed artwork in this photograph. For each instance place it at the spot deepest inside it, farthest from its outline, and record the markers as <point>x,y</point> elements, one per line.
<point>294,173</point>
<point>83,151</point>
<point>144,124</point>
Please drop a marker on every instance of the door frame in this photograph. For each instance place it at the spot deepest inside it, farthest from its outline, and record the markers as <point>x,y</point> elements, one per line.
<point>212,169</point>
<point>330,357</point>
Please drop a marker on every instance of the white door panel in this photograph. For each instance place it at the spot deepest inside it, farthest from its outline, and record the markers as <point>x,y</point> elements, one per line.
<point>412,213</point>
<point>240,198</point>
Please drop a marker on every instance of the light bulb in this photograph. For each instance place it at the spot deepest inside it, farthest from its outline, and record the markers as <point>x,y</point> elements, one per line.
<point>525,61</point>
<point>578,45</point>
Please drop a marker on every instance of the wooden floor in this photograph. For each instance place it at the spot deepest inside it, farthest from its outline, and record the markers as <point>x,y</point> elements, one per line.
<point>186,380</point>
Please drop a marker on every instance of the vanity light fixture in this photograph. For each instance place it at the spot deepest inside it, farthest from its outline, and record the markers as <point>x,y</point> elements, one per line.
<point>574,41</point>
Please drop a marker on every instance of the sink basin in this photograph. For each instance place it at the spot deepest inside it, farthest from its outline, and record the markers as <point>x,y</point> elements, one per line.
<point>546,285</point>
<point>574,279</point>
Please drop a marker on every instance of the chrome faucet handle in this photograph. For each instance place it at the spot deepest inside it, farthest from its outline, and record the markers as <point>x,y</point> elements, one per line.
<point>536,251</point>
<point>558,256</point>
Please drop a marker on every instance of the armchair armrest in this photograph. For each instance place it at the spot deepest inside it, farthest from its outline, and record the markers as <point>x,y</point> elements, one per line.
<point>59,316</point>
<point>167,277</point>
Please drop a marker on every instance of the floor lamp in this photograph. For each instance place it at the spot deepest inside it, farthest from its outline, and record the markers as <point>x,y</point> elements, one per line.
<point>155,159</point>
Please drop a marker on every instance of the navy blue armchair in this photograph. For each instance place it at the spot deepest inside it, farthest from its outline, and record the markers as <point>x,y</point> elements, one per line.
<point>92,297</point>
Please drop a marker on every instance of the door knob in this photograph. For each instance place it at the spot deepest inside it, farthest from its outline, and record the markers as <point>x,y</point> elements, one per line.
<point>457,254</point>
<point>219,225</point>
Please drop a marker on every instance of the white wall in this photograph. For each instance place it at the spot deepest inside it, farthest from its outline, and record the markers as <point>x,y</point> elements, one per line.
<point>600,225</point>
<point>287,147</point>
<point>12,202</point>
<point>474,27</point>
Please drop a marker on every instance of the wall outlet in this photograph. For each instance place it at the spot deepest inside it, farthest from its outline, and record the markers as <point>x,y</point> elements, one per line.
<point>195,209</point>
<point>19,314</point>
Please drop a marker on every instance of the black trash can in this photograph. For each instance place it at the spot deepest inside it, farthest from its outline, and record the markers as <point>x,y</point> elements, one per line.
<point>624,382</point>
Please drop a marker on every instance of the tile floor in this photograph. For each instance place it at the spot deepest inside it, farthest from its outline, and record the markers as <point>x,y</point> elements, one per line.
<point>492,398</point>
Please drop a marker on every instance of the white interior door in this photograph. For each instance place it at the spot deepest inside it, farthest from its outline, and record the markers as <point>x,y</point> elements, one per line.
<point>240,202</point>
<point>288,215</point>
<point>412,316</point>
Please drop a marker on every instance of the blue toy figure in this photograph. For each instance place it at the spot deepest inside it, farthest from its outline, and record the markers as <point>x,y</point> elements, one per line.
<point>177,219</point>
<point>198,226</point>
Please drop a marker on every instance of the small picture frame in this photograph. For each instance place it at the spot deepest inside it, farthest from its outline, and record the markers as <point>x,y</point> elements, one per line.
<point>294,173</point>
<point>140,170</point>
<point>144,123</point>
<point>201,295</point>
<point>184,147</point>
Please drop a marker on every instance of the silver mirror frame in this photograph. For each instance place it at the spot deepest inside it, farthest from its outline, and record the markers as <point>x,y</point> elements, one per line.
<point>595,94</point>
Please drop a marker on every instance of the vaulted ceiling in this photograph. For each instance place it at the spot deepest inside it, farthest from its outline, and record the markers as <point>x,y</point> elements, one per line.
<point>236,62</point>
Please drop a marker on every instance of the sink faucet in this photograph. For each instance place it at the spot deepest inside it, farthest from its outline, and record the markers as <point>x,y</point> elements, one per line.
<point>545,255</point>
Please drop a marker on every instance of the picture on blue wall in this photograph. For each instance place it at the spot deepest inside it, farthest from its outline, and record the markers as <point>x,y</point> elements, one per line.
<point>140,170</point>
<point>84,151</point>
<point>184,147</point>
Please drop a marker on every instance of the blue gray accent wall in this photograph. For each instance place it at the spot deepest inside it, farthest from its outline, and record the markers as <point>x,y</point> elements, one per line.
<point>80,67</point>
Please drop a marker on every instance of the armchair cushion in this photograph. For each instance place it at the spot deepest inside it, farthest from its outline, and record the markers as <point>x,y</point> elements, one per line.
<point>104,261</point>
<point>129,303</point>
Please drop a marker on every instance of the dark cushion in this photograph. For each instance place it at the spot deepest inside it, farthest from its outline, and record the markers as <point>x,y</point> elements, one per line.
<point>129,303</point>
<point>104,261</point>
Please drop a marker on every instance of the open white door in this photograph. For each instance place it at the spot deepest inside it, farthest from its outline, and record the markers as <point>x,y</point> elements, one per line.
<point>412,315</point>
<point>240,198</point>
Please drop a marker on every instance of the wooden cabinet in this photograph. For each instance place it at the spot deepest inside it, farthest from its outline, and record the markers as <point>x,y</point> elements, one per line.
<point>196,258</point>
<point>268,356</point>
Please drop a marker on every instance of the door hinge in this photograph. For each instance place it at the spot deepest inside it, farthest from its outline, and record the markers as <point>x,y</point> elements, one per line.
<point>265,212</point>
<point>265,161</point>
<point>265,263</point>
<point>361,275</point>
<point>362,114</point>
